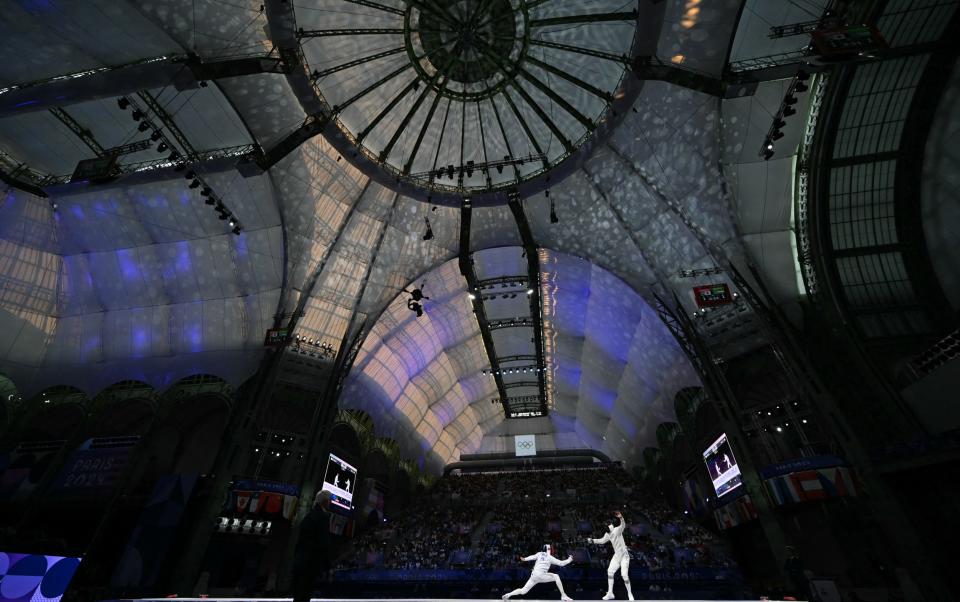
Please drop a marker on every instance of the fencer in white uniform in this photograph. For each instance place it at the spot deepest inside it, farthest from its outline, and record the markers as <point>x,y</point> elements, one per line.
<point>621,556</point>
<point>541,573</point>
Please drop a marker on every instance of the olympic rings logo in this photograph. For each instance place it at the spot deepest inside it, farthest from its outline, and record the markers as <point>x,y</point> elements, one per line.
<point>524,444</point>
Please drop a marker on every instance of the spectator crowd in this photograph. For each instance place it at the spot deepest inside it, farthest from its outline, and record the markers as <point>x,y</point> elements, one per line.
<point>488,520</point>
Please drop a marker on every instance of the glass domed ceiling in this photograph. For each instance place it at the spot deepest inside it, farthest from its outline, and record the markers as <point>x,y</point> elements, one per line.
<point>467,95</point>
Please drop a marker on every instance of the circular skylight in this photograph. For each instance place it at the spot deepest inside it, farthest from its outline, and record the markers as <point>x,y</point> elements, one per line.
<point>467,95</point>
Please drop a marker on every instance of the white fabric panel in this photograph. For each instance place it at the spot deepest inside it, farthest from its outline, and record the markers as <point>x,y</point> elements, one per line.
<point>136,280</point>
<point>209,28</point>
<point>267,105</point>
<point>419,365</point>
<point>698,33</point>
<point>941,180</point>
<point>763,191</point>
<point>746,122</point>
<point>775,257</point>
<point>611,361</point>
<point>44,143</point>
<point>59,41</point>
<point>27,220</point>
<point>752,38</point>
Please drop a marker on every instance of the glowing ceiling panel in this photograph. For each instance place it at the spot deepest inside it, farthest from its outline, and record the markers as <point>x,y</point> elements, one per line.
<point>614,367</point>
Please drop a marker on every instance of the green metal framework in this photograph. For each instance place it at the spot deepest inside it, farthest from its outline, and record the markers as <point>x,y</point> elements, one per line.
<point>477,61</point>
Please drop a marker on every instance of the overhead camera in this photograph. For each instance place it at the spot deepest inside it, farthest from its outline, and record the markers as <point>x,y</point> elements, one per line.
<point>415,302</point>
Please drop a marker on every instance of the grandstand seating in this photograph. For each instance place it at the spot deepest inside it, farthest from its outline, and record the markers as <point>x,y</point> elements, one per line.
<point>485,521</point>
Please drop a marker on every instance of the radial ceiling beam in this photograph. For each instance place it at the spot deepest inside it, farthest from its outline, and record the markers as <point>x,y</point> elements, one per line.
<point>506,139</point>
<point>410,113</point>
<point>413,85</point>
<point>465,262</point>
<point>567,145</point>
<point>609,56</point>
<point>183,72</point>
<point>585,18</point>
<point>359,31</point>
<point>378,6</point>
<point>536,307</point>
<point>570,78</point>
<point>423,131</point>
<point>534,3</point>
<point>319,73</point>
<point>523,124</point>
<point>566,106</point>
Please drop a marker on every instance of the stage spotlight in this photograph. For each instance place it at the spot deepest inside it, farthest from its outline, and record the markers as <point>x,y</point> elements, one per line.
<point>800,87</point>
<point>137,115</point>
<point>776,135</point>
<point>553,214</point>
<point>470,165</point>
<point>205,191</point>
<point>209,200</point>
<point>802,76</point>
<point>779,124</point>
<point>162,148</point>
<point>195,183</point>
<point>144,126</point>
<point>529,291</point>
<point>190,175</point>
<point>223,216</point>
<point>123,103</point>
<point>232,223</point>
<point>788,111</point>
<point>156,135</point>
<point>415,307</point>
<point>789,100</point>
<point>499,168</point>
<point>429,233</point>
<point>173,156</point>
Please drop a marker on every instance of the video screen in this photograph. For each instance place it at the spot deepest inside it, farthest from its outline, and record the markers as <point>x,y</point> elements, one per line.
<point>30,577</point>
<point>722,466</point>
<point>341,481</point>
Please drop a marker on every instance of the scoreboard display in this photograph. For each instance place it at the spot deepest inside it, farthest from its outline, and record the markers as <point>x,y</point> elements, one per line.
<point>712,295</point>
<point>276,337</point>
<point>843,42</point>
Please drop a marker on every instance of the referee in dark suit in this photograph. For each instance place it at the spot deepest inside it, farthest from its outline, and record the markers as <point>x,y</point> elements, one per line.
<point>315,549</point>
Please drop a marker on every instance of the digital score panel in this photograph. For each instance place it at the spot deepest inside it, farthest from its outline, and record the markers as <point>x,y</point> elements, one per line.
<point>712,295</point>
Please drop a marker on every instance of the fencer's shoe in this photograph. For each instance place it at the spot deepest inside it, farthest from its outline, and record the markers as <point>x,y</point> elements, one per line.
<point>505,597</point>
<point>609,596</point>
<point>567,599</point>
